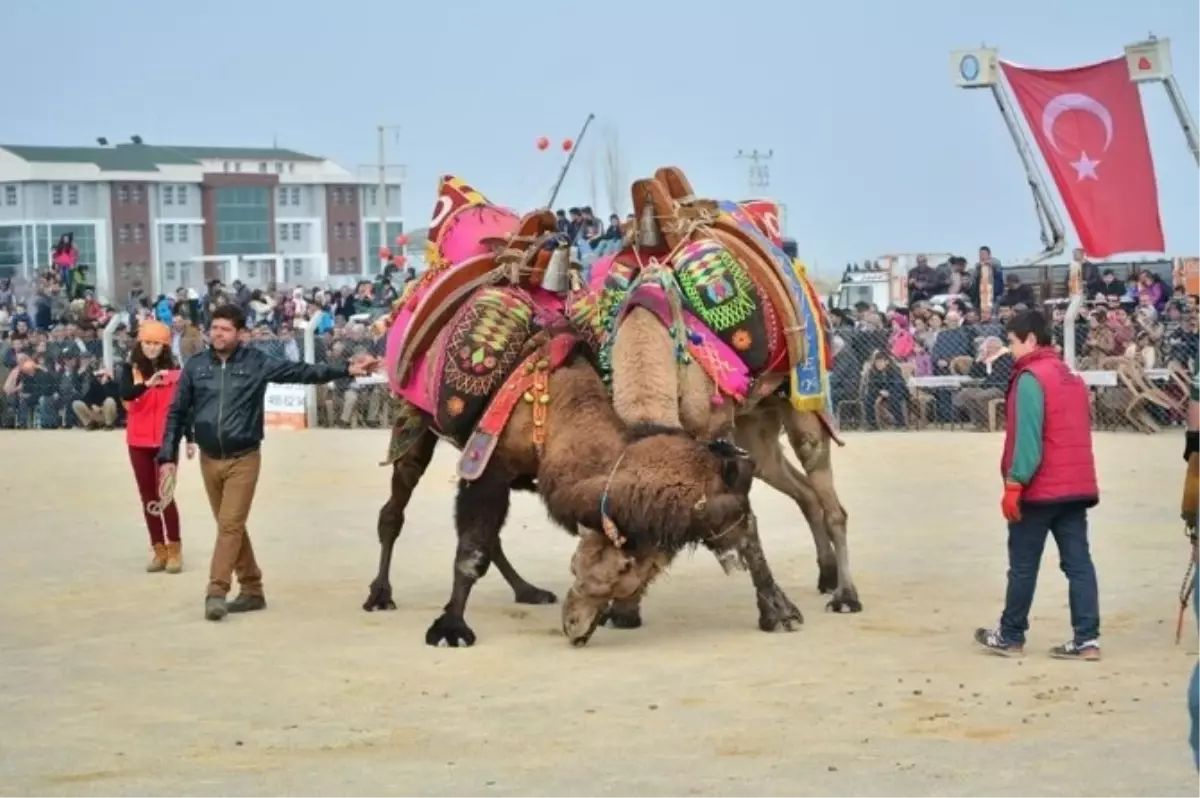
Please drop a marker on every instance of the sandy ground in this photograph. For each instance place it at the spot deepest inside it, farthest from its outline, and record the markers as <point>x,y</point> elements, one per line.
<point>112,683</point>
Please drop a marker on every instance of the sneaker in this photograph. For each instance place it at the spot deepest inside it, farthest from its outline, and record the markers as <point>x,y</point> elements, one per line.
<point>993,641</point>
<point>244,603</point>
<point>214,608</point>
<point>1087,650</point>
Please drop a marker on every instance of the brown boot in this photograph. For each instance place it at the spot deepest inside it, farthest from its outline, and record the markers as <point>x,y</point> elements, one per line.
<point>174,557</point>
<point>159,561</point>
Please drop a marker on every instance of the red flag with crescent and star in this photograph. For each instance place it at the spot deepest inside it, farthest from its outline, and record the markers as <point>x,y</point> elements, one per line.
<point>1088,123</point>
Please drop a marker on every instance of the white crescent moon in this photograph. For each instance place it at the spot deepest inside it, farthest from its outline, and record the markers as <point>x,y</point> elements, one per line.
<point>1075,102</point>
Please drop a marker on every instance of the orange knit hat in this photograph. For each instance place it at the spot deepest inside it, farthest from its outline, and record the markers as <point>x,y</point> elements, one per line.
<point>154,332</point>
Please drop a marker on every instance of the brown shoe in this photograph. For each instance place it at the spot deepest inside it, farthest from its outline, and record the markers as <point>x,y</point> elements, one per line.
<point>174,557</point>
<point>159,561</point>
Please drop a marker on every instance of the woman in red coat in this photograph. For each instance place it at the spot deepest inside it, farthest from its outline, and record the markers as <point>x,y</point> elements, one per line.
<point>147,389</point>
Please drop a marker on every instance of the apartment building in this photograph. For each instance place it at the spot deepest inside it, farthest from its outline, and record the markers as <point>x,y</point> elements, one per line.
<point>159,217</point>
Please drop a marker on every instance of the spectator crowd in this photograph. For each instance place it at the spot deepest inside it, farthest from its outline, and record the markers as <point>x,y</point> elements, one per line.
<point>53,374</point>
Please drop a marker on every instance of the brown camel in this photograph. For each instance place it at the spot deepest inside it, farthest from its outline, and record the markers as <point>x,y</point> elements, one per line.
<point>661,489</point>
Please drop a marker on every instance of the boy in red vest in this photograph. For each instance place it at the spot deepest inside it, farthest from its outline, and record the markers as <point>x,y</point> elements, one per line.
<point>1049,477</point>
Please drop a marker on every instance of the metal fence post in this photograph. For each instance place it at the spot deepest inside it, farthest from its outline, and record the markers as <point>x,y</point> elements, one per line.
<point>106,339</point>
<point>1069,331</point>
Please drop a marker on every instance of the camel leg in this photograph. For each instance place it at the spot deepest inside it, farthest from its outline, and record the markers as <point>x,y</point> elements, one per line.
<point>406,473</point>
<point>524,592</point>
<point>812,445</point>
<point>758,433</point>
<point>775,609</point>
<point>479,513</point>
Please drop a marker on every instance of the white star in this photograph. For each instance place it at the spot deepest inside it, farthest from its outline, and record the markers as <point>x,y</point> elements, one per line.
<point>1085,167</point>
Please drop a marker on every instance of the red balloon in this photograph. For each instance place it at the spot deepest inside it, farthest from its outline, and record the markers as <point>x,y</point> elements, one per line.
<point>567,145</point>
<point>385,253</point>
<point>400,260</point>
<point>401,240</point>
<point>543,143</point>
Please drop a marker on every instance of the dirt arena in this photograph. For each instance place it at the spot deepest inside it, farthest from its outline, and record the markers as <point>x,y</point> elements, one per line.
<point>112,683</point>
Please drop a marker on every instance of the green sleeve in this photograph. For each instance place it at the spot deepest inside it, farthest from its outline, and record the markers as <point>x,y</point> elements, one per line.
<point>1030,418</point>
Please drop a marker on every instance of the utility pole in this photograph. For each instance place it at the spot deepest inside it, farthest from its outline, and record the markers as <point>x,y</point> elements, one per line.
<point>758,174</point>
<point>381,166</point>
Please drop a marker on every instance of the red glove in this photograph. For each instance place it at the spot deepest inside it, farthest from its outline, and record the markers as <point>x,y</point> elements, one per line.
<point>1010,505</point>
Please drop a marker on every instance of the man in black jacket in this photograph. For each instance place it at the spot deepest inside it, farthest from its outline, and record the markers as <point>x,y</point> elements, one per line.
<point>222,391</point>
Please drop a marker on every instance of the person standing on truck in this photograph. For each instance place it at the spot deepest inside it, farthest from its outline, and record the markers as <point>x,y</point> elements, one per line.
<point>221,392</point>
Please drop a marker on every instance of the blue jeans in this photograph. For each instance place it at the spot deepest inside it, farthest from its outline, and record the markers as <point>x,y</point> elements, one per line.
<point>40,409</point>
<point>1026,542</point>
<point>1194,688</point>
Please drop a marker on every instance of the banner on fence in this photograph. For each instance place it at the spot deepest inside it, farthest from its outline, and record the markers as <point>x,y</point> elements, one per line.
<point>284,407</point>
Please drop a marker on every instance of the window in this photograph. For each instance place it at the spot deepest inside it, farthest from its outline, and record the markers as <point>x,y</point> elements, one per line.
<point>242,220</point>
<point>139,233</point>
<point>169,271</point>
<point>291,168</point>
<point>181,195</point>
<point>123,194</point>
<point>168,234</point>
<point>352,231</point>
<point>296,195</point>
<point>279,167</point>
<point>283,232</point>
<point>298,267</point>
<point>283,196</point>
<point>73,194</point>
<point>262,167</point>
<point>352,264</point>
<point>373,195</point>
<point>341,265</point>
<point>85,240</point>
<point>237,166</point>
<point>124,234</point>
<point>126,270</point>
<point>181,234</point>
<point>185,273</point>
<point>296,232</point>
<point>252,267</point>
<point>56,193</point>
<point>168,195</point>
<point>351,196</point>
<point>339,232</point>
<point>137,194</point>
<point>392,194</point>
<point>337,195</point>
<point>10,195</point>
<point>227,166</point>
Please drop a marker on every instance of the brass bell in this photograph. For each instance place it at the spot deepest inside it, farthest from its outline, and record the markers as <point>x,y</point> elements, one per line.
<point>649,236</point>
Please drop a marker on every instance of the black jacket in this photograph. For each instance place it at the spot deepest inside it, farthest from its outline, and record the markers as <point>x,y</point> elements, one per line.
<point>224,400</point>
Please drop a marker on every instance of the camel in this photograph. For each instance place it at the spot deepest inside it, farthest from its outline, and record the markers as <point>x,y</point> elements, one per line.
<point>539,416</point>
<point>654,380</point>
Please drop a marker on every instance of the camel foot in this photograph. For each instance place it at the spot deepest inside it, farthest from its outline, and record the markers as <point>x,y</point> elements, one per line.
<point>450,630</point>
<point>827,578</point>
<point>622,617</point>
<point>534,595</point>
<point>777,612</point>
<point>844,601</point>
<point>380,597</point>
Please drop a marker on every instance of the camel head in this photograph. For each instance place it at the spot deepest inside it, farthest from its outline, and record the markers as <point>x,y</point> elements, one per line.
<point>671,492</point>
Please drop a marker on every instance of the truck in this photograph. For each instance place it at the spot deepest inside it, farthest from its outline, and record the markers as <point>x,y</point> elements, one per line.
<point>882,282</point>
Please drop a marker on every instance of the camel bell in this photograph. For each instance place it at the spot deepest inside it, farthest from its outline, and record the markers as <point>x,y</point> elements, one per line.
<point>558,272</point>
<point>649,236</point>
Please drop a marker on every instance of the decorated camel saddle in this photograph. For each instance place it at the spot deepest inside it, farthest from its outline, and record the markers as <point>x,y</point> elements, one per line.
<point>716,274</point>
<point>479,319</point>
<point>472,243</point>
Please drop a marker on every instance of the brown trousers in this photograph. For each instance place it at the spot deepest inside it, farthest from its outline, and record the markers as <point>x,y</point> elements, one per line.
<point>1191,490</point>
<point>230,486</point>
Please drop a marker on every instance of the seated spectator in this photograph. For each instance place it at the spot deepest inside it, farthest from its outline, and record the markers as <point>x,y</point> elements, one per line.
<point>991,368</point>
<point>1016,293</point>
<point>36,392</point>
<point>97,408</point>
<point>922,361</point>
<point>1110,286</point>
<point>884,381</point>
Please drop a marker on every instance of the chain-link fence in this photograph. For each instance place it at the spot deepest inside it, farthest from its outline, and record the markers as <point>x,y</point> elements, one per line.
<point>943,369</point>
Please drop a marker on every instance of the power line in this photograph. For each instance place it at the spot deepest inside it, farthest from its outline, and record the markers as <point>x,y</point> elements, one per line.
<point>758,173</point>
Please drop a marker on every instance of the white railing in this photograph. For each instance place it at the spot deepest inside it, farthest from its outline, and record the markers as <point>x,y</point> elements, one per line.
<point>310,356</point>
<point>1069,331</point>
<point>106,339</point>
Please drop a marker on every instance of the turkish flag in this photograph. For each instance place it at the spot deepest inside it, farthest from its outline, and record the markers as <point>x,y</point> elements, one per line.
<point>1088,123</point>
